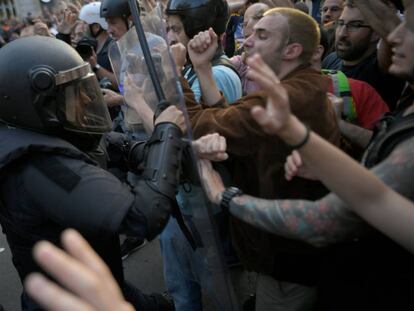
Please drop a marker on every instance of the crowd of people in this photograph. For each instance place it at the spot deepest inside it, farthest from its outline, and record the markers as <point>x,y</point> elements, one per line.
<point>305,108</point>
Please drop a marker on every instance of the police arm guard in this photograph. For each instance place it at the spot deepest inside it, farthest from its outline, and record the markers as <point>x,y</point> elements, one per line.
<point>161,158</point>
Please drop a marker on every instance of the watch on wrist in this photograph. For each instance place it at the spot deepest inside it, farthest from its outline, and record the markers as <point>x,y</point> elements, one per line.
<point>228,194</point>
<point>96,68</point>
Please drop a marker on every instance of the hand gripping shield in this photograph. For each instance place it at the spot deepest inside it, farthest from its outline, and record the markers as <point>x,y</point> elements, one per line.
<point>149,82</point>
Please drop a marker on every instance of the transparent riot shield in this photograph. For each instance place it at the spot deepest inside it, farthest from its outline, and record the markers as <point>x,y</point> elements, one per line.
<point>197,217</point>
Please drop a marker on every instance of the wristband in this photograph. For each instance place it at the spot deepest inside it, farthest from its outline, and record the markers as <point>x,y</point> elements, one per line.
<point>228,195</point>
<point>304,141</point>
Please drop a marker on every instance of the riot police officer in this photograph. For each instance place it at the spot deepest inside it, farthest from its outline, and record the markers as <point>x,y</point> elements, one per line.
<point>52,121</point>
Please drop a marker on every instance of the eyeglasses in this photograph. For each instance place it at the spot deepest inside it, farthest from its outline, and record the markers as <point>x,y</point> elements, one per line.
<point>352,26</point>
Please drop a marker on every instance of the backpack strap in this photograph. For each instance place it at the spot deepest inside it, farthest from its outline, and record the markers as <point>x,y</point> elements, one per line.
<point>393,130</point>
<point>342,89</point>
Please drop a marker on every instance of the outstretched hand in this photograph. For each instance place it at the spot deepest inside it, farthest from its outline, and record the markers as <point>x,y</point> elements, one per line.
<point>67,23</point>
<point>274,118</point>
<point>88,282</point>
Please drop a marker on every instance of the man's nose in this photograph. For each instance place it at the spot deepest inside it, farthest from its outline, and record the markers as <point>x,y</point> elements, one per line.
<point>171,38</point>
<point>342,32</point>
<point>249,41</point>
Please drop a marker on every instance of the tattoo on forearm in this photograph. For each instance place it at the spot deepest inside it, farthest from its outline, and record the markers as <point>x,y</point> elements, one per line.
<point>319,223</point>
<point>328,220</point>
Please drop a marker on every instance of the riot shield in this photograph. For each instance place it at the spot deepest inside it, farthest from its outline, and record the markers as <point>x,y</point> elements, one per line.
<point>142,94</point>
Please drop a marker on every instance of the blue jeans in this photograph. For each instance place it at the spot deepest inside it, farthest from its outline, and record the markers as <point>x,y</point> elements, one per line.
<point>185,268</point>
<point>182,268</point>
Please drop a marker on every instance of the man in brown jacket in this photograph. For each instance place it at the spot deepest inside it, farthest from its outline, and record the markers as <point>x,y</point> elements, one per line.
<point>286,39</point>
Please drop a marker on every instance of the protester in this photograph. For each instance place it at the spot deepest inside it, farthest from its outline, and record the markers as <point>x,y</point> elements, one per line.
<point>252,15</point>
<point>347,250</point>
<point>331,11</point>
<point>357,54</point>
<point>361,104</point>
<point>351,274</point>
<point>281,39</point>
<point>184,22</point>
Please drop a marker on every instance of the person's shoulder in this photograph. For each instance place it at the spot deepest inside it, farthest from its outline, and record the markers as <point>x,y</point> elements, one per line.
<point>355,84</point>
<point>224,71</point>
<point>332,61</point>
<point>304,75</point>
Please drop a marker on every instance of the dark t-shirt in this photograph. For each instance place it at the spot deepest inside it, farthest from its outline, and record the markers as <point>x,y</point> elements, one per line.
<point>103,56</point>
<point>388,86</point>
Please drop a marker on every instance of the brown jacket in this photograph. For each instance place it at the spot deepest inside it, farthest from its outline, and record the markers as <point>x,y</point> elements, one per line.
<point>264,157</point>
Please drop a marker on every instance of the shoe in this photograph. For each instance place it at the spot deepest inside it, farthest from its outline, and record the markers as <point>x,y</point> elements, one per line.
<point>130,245</point>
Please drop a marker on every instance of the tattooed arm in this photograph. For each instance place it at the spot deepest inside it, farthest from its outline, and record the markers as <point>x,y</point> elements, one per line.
<point>319,223</point>
<point>329,220</point>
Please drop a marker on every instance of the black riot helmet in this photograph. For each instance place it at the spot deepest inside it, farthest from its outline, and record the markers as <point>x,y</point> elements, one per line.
<point>115,8</point>
<point>45,86</point>
<point>200,15</point>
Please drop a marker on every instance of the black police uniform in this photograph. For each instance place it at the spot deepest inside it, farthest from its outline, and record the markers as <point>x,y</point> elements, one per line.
<point>47,185</point>
<point>55,113</point>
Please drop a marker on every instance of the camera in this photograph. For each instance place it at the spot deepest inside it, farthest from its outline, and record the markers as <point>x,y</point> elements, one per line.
<point>86,46</point>
<point>104,83</point>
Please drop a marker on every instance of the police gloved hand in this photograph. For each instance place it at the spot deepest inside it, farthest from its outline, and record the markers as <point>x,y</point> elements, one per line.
<point>173,115</point>
<point>117,143</point>
<point>118,147</point>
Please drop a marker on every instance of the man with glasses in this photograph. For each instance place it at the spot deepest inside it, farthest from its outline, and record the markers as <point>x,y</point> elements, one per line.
<point>356,55</point>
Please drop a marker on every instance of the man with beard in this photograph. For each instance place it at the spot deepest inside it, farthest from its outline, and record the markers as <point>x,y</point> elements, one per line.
<point>357,55</point>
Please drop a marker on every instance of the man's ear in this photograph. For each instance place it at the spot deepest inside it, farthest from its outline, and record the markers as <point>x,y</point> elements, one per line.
<point>292,51</point>
<point>317,56</point>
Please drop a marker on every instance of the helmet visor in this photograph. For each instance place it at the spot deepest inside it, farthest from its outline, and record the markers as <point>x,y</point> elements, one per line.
<point>83,108</point>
